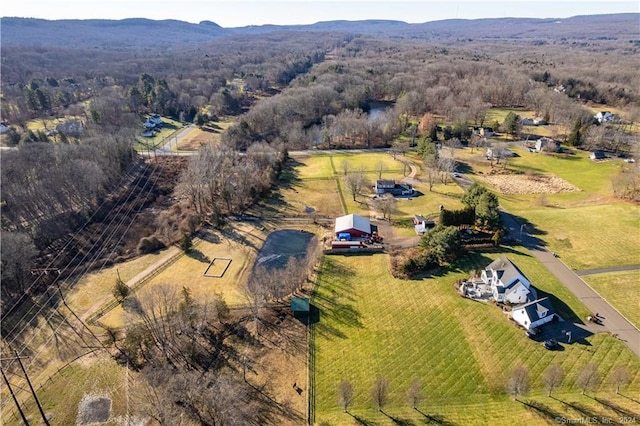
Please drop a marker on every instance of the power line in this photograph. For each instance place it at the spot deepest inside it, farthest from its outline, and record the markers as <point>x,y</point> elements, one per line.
<point>74,258</point>
<point>61,251</point>
<point>33,391</point>
<point>121,222</point>
<point>13,395</point>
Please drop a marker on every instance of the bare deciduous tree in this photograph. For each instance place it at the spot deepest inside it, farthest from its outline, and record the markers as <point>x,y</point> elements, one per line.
<point>552,377</point>
<point>355,182</point>
<point>386,203</point>
<point>381,167</point>
<point>345,395</point>
<point>518,383</point>
<point>620,377</point>
<point>380,393</point>
<point>415,393</point>
<point>345,166</point>
<point>588,378</point>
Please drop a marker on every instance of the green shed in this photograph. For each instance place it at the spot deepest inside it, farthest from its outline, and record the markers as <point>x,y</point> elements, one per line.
<point>300,305</point>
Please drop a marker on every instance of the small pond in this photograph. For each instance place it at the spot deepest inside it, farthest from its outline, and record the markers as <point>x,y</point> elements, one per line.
<point>281,245</point>
<point>377,109</point>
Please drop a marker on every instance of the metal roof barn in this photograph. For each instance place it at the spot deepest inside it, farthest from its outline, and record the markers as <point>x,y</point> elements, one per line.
<point>355,225</point>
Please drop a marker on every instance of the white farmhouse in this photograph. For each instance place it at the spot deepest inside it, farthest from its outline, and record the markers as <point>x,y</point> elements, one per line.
<point>508,284</point>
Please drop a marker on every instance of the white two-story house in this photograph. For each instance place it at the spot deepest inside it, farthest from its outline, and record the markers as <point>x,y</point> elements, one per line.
<point>508,283</point>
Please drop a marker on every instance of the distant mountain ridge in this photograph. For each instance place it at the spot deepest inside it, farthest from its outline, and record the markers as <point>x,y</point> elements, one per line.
<point>142,32</point>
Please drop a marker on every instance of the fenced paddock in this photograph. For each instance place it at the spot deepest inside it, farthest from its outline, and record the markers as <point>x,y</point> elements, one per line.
<point>217,267</point>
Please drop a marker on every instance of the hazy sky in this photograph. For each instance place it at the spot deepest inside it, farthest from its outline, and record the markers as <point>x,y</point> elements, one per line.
<point>257,12</point>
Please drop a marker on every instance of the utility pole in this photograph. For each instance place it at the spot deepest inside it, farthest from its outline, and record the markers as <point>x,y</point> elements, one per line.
<point>24,418</point>
<point>33,391</point>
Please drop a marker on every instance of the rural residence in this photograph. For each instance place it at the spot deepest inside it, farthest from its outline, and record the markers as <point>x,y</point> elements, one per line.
<point>508,284</point>
<point>153,122</point>
<point>547,145</point>
<point>533,314</point>
<point>391,187</point>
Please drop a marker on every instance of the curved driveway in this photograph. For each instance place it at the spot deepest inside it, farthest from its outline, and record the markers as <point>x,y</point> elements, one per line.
<point>613,321</point>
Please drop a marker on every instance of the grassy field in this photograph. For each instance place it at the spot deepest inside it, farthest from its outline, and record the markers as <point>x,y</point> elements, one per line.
<point>188,270</point>
<point>371,324</point>
<point>198,136</point>
<point>89,376</point>
<point>589,237</point>
<point>621,290</point>
<point>169,128</point>
<point>571,223</point>
<point>97,286</point>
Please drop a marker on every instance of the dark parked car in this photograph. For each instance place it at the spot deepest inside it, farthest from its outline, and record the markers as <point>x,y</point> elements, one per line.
<point>550,344</point>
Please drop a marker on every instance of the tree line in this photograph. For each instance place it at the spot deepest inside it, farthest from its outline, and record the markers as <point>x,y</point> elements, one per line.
<point>517,385</point>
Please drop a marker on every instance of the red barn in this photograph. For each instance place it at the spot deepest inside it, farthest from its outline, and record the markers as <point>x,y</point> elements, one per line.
<point>356,226</point>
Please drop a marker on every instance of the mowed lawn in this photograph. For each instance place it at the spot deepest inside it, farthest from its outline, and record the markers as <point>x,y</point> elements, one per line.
<point>371,324</point>
<point>621,289</point>
<point>587,237</point>
<point>573,224</point>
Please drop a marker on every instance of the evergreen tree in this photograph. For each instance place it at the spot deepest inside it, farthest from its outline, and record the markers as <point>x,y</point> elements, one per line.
<point>575,138</point>
<point>187,243</point>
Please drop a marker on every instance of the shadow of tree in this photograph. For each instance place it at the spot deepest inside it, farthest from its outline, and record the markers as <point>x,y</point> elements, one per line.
<point>585,411</point>
<point>615,407</point>
<point>435,419</point>
<point>541,409</point>
<point>198,255</point>
<point>362,421</point>
<point>399,421</point>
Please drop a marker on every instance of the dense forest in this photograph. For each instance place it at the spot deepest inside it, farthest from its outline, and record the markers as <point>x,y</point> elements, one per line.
<point>302,88</point>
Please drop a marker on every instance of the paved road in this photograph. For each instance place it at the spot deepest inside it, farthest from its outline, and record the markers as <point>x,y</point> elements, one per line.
<point>605,270</point>
<point>613,322</point>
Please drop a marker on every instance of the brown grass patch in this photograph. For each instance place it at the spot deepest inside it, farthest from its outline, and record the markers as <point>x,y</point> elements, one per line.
<point>530,184</point>
<point>197,137</point>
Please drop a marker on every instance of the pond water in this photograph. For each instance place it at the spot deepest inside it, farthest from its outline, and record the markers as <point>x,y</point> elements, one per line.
<point>281,245</point>
<point>377,110</point>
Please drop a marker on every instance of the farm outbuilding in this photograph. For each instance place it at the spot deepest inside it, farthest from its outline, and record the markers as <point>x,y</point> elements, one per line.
<point>300,305</point>
<point>354,225</point>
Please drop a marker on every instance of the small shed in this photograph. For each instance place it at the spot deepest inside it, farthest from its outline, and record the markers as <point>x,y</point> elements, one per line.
<point>300,305</point>
<point>597,155</point>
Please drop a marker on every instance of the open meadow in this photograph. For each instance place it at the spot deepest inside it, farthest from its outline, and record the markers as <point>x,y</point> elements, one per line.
<point>621,290</point>
<point>570,223</point>
<point>462,352</point>
<point>202,135</point>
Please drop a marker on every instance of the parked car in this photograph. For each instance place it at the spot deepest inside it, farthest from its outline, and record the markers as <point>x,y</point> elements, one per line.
<point>550,344</point>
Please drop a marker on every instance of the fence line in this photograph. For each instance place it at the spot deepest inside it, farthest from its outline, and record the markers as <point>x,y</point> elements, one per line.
<point>93,318</point>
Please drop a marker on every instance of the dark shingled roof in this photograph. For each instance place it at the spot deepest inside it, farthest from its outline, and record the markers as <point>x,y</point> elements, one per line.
<point>507,271</point>
<point>532,308</point>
